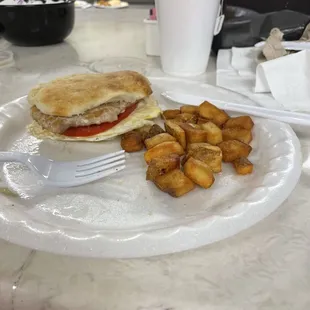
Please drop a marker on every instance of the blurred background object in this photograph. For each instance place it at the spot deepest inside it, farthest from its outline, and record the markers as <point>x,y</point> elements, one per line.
<point>241,28</point>
<point>29,24</point>
<point>244,27</point>
<point>264,6</point>
<point>291,23</point>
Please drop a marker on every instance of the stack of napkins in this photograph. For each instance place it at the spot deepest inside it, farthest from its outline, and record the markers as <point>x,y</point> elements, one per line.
<point>288,80</point>
<point>242,78</point>
<point>280,83</point>
<point>283,82</point>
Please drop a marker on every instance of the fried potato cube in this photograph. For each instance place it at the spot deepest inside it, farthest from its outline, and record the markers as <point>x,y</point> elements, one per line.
<point>194,134</point>
<point>169,114</point>
<point>155,130</point>
<point>195,126</point>
<point>202,120</point>
<point>186,118</point>
<point>214,133</point>
<point>244,122</point>
<point>199,172</point>
<point>196,146</point>
<point>162,165</point>
<point>174,121</point>
<point>243,166</point>
<point>162,137</point>
<point>132,142</point>
<point>144,130</point>
<point>209,154</point>
<point>237,133</point>
<point>234,149</point>
<point>211,112</point>
<point>163,149</point>
<point>175,183</point>
<point>191,109</point>
<point>176,131</point>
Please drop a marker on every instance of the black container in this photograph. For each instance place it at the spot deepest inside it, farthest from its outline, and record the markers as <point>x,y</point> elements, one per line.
<point>35,25</point>
<point>244,28</point>
<point>237,29</point>
<point>265,6</point>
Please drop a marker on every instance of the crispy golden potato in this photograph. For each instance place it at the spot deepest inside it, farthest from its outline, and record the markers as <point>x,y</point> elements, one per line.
<point>209,154</point>
<point>155,130</point>
<point>202,120</point>
<point>220,118</point>
<point>169,114</point>
<point>144,131</point>
<point>199,172</point>
<point>163,149</point>
<point>195,146</point>
<point>191,109</point>
<point>237,133</point>
<point>234,149</point>
<point>162,137</point>
<point>243,166</point>
<point>162,165</point>
<point>191,126</point>
<point>175,183</point>
<point>211,112</point>
<point>214,133</point>
<point>132,142</point>
<point>174,121</point>
<point>194,134</point>
<point>244,122</point>
<point>186,118</point>
<point>176,131</point>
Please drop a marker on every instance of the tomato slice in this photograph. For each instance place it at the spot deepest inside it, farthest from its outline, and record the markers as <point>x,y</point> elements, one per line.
<point>86,131</point>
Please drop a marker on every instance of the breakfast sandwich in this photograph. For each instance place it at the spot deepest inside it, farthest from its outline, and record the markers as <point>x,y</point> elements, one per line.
<point>92,106</point>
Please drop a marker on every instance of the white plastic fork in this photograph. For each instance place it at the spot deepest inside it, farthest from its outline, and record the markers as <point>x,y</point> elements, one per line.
<point>290,45</point>
<point>289,117</point>
<point>66,173</point>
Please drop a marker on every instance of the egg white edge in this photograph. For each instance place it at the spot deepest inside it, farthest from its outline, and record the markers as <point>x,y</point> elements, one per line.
<point>146,110</point>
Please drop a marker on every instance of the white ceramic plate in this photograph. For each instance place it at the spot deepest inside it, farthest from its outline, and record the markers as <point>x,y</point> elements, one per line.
<point>125,216</point>
<point>120,6</point>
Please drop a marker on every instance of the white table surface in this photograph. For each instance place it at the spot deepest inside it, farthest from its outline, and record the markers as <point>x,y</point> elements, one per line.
<point>265,267</point>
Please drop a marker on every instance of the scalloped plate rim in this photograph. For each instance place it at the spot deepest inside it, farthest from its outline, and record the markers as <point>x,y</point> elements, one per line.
<point>121,247</point>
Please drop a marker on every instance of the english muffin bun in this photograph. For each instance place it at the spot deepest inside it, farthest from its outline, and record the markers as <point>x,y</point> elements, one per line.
<point>75,94</point>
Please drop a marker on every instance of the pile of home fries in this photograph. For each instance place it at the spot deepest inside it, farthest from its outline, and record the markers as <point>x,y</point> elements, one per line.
<point>191,149</point>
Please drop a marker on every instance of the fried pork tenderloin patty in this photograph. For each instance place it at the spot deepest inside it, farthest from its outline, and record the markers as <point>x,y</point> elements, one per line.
<point>107,112</point>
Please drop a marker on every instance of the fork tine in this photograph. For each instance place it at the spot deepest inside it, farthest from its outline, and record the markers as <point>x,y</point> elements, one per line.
<point>98,164</point>
<point>99,158</point>
<point>95,170</point>
<point>94,177</point>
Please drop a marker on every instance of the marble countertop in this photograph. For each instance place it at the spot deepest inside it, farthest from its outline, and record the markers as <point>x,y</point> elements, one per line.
<point>265,267</point>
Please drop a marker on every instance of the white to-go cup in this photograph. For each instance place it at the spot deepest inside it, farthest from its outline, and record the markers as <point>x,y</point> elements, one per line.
<point>186,29</point>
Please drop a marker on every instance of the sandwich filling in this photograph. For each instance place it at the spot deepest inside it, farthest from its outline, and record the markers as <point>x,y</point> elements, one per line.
<point>85,105</point>
<point>91,122</point>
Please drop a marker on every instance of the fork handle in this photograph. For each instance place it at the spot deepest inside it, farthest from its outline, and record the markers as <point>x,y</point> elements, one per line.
<point>12,157</point>
<point>295,118</point>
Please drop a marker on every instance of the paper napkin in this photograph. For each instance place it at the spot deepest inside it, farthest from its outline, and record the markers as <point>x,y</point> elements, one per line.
<point>288,80</point>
